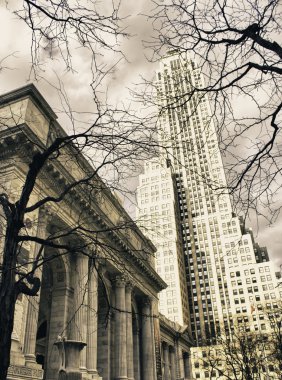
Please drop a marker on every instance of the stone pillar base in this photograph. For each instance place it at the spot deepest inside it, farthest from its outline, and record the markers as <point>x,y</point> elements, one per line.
<point>30,361</point>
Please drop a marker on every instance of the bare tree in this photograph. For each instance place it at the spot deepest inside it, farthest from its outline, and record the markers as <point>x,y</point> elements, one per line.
<point>111,140</point>
<point>274,320</point>
<point>235,45</point>
<point>58,28</point>
<point>245,354</point>
<point>101,149</point>
<point>241,356</point>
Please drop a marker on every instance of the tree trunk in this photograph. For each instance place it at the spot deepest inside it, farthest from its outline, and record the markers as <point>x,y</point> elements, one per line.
<point>7,307</point>
<point>8,297</point>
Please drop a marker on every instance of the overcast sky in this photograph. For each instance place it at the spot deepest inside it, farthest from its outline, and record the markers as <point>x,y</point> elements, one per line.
<point>15,41</point>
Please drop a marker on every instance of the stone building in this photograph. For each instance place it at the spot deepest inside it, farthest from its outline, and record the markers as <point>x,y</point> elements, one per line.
<point>175,359</point>
<point>96,316</point>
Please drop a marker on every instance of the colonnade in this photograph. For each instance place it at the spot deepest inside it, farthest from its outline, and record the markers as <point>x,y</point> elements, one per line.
<point>132,347</point>
<point>61,330</point>
<point>171,360</point>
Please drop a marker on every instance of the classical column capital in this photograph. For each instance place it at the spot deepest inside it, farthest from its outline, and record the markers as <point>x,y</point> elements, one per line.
<point>97,253</point>
<point>165,345</point>
<point>93,263</point>
<point>147,301</point>
<point>45,214</point>
<point>119,281</point>
<point>129,286</point>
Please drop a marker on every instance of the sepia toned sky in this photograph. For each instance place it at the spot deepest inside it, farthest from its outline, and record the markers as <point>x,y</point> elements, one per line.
<point>15,71</point>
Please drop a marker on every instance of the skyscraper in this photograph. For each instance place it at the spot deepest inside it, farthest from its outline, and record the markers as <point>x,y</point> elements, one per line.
<point>227,275</point>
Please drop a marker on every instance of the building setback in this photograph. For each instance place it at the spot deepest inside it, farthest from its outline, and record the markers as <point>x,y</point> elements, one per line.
<point>228,277</point>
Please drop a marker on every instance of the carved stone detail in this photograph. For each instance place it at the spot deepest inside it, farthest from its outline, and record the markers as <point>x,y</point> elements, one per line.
<point>16,370</point>
<point>119,281</point>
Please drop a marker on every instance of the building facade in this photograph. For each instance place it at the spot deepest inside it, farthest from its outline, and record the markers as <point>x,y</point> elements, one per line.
<point>229,278</point>
<point>96,316</point>
<point>158,216</point>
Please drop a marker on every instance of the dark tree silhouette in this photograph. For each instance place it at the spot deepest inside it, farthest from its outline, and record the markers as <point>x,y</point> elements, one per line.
<point>112,141</point>
<point>92,162</point>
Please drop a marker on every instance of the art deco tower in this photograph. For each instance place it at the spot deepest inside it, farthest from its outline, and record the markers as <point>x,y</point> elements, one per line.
<point>227,275</point>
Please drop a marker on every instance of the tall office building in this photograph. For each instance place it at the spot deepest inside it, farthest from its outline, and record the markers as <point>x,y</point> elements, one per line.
<point>227,275</point>
<point>158,216</point>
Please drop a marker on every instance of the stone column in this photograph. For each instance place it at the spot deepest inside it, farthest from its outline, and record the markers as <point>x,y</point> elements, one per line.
<point>148,357</point>
<point>186,359</point>
<point>79,317</point>
<point>172,359</point>
<point>136,353</point>
<point>92,320</point>
<point>129,331</point>
<point>180,362</point>
<point>120,356</point>
<point>33,302</point>
<point>166,361</point>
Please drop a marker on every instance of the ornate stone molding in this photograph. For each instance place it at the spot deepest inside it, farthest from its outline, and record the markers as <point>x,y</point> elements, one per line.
<point>119,281</point>
<point>17,372</point>
<point>147,301</point>
<point>129,286</point>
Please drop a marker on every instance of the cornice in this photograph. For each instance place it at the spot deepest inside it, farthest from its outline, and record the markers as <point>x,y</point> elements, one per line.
<point>32,92</point>
<point>174,330</point>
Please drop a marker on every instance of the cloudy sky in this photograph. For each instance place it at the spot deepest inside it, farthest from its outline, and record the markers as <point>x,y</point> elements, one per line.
<point>16,71</point>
